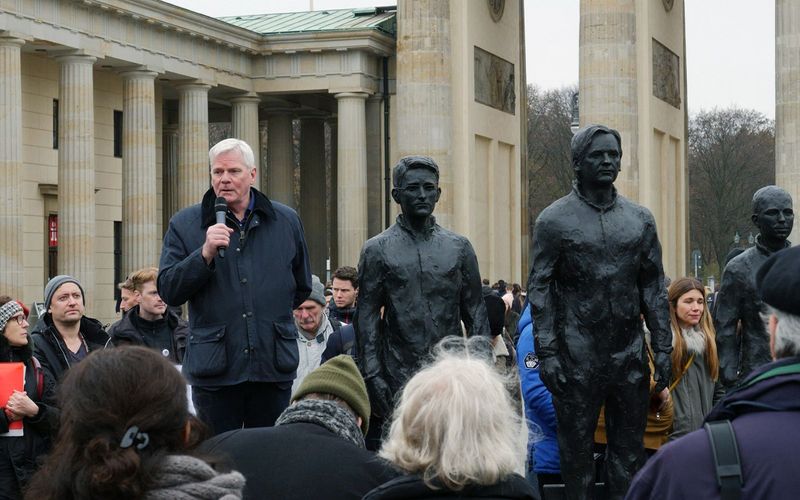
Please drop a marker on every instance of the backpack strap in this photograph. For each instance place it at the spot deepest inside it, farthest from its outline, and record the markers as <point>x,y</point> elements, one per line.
<point>726,459</point>
<point>37,369</point>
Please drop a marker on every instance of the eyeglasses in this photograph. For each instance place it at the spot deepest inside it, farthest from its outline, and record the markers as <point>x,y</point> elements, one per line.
<point>20,319</point>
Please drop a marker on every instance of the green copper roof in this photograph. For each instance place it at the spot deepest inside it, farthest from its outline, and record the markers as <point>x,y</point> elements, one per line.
<point>379,18</point>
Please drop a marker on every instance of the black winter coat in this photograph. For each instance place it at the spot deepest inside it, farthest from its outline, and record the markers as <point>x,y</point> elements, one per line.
<point>128,331</point>
<point>413,487</point>
<point>50,350</point>
<point>300,461</point>
<point>24,451</point>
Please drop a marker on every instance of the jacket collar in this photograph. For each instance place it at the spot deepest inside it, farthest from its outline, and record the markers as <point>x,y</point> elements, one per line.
<point>262,205</point>
<point>430,225</point>
<point>91,329</point>
<point>599,208</point>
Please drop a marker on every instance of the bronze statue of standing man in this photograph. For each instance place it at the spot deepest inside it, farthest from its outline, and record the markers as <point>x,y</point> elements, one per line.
<point>596,269</point>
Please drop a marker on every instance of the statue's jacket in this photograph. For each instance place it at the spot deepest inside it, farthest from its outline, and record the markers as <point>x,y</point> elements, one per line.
<point>595,269</point>
<point>742,338</point>
<point>429,283</point>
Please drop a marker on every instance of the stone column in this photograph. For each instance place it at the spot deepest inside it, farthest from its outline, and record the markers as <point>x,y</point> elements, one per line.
<point>193,168</point>
<point>608,85</point>
<point>169,165</point>
<point>12,278</point>
<point>333,213</point>
<point>787,102</point>
<point>312,191</point>
<point>351,184</point>
<point>76,203</point>
<point>374,165</point>
<point>139,201</point>
<point>280,169</point>
<point>424,91</point>
<point>244,123</point>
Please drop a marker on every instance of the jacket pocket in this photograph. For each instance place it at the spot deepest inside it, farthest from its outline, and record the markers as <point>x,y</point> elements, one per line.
<point>287,356</point>
<point>205,354</point>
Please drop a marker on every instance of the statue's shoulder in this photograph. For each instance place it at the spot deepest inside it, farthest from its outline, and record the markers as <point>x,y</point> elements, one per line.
<point>642,211</point>
<point>384,238</point>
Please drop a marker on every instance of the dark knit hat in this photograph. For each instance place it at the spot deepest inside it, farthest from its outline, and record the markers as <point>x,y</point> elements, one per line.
<point>339,377</point>
<point>317,291</point>
<point>55,283</point>
<point>778,280</point>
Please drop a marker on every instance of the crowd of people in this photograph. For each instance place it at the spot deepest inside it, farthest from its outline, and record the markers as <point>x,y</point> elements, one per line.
<point>287,400</point>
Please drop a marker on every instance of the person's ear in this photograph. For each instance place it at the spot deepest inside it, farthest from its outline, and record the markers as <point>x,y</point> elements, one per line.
<point>359,421</point>
<point>438,193</point>
<point>754,218</point>
<point>395,195</point>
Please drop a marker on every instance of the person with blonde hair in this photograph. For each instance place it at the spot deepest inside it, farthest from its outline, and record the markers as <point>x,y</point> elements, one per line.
<point>695,387</point>
<point>455,431</point>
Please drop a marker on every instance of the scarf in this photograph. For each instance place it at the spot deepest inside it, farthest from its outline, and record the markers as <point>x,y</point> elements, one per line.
<point>181,477</point>
<point>695,340</point>
<point>327,414</point>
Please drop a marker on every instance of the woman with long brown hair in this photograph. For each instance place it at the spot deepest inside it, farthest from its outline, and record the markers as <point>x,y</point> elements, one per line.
<point>695,367</point>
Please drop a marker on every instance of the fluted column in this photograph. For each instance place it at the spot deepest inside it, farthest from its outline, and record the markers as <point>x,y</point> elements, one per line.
<point>244,123</point>
<point>11,182</point>
<point>333,224</point>
<point>608,86</point>
<point>312,191</point>
<point>280,166</point>
<point>787,102</point>
<point>169,166</point>
<point>374,166</point>
<point>424,91</point>
<point>193,168</point>
<point>76,204</point>
<point>351,184</point>
<point>139,200</point>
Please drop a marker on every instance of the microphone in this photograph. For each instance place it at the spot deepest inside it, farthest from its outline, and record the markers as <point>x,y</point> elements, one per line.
<point>221,208</point>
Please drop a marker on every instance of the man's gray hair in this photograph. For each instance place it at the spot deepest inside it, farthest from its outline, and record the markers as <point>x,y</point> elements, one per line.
<point>787,334</point>
<point>227,145</point>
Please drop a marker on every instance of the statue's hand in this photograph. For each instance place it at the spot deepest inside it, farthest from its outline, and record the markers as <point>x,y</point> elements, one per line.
<point>380,396</point>
<point>552,374</point>
<point>663,374</point>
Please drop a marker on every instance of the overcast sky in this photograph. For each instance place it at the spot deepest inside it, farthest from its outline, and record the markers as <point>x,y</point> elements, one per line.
<point>730,44</point>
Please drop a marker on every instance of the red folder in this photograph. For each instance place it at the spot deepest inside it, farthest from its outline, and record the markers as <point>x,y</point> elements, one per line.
<point>12,377</point>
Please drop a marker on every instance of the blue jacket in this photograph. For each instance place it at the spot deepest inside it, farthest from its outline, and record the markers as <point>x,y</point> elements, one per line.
<point>538,402</point>
<point>241,326</point>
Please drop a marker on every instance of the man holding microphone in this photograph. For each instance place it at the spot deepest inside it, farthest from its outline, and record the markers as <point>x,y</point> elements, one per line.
<point>241,262</point>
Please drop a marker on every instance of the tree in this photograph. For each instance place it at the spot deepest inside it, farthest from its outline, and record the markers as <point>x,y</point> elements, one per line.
<point>731,155</point>
<point>549,135</point>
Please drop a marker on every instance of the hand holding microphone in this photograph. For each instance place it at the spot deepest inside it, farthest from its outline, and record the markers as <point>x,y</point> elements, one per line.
<point>218,235</point>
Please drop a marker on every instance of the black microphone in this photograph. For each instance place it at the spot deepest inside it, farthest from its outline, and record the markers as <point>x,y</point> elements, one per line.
<point>221,208</point>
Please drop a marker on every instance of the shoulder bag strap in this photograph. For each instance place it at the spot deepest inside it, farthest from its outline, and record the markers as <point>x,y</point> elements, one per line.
<point>726,459</point>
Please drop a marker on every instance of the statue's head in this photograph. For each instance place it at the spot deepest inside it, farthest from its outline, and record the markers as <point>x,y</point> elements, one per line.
<point>416,185</point>
<point>596,155</point>
<point>773,214</point>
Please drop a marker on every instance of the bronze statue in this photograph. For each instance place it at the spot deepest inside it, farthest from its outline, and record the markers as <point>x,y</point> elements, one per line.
<point>424,277</point>
<point>596,269</point>
<point>738,303</point>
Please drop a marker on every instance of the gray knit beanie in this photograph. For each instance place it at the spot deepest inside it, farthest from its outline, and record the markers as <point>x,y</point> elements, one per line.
<point>317,291</point>
<point>55,283</point>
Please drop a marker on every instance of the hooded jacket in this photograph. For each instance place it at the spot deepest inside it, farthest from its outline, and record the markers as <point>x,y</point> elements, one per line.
<point>241,327</point>
<point>50,350</point>
<point>765,413</point>
<point>129,331</point>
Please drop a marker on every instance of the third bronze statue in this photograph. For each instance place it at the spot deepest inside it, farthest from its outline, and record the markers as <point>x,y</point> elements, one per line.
<point>417,283</point>
<point>742,338</point>
<point>596,269</point>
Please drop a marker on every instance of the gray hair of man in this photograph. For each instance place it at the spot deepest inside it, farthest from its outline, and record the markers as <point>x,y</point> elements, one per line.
<point>786,339</point>
<point>228,145</point>
<point>460,386</point>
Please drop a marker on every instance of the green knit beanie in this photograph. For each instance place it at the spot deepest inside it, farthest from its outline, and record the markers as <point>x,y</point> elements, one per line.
<point>340,377</point>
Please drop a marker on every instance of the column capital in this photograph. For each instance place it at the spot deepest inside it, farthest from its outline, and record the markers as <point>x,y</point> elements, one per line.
<point>138,72</point>
<point>78,56</point>
<point>357,95</point>
<point>196,85</point>
<point>8,39</point>
<point>245,98</point>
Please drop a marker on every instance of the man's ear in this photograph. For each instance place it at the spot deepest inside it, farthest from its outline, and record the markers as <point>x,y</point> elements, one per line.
<point>754,218</point>
<point>395,195</point>
<point>438,193</point>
